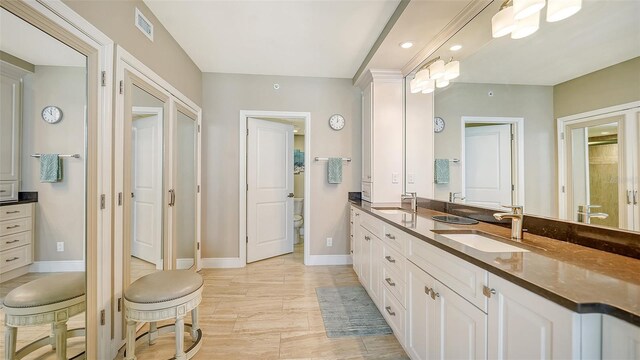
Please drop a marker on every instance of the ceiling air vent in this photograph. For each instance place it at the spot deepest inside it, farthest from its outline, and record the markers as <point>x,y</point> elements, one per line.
<point>144,24</point>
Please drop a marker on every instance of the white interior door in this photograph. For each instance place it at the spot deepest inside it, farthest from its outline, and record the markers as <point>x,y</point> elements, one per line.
<point>269,189</point>
<point>146,185</point>
<point>488,176</point>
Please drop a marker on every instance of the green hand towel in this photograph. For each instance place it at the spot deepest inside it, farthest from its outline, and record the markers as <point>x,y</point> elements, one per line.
<point>50,168</point>
<point>441,173</point>
<point>334,170</point>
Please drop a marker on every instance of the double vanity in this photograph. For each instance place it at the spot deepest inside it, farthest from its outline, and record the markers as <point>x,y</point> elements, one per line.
<point>468,291</point>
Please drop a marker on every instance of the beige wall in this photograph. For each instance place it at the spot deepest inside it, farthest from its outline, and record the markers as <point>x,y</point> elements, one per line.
<point>298,179</point>
<point>60,208</point>
<point>226,95</point>
<point>534,104</point>
<point>164,55</point>
<point>617,84</point>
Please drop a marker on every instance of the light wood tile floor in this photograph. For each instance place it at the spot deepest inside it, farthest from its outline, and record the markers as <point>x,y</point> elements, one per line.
<point>269,310</point>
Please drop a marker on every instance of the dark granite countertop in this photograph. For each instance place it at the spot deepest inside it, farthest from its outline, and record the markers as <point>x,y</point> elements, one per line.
<point>23,198</point>
<point>578,278</point>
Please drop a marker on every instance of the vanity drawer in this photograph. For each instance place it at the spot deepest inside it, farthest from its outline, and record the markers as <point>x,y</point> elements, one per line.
<point>460,276</point>
<point>372,224</point>
<point>10,212</point>
<point>393,259</point>
<point>15,258</point>
<point>394,313</point>
<point>8,190</point>
<point>394,237</point>
<point>15,226</point>
<point>394,282</point>
<point>15,240</point>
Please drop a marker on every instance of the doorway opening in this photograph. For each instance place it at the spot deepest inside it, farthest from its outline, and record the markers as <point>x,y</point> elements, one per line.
<point>274,185</point>
<point>492,158</point>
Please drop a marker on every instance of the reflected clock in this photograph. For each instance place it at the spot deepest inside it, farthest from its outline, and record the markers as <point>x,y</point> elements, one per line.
<point>438,124</point>
<point>336,122</point>
<point>51,114</point>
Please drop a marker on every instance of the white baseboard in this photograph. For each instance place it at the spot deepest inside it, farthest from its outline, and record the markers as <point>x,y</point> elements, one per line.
<point>213,263</point>
<point>329,260</point>
<point>57,266</point>
<point>185,263</point>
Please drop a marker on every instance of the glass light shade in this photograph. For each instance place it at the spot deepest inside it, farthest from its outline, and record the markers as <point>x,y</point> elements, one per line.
<point>440,83</point>
<point>524,8</point>
<point>415,88</point>
<point>422,76</point>
<point>502,23</point>
<point>452,70</point>
<point>561,9</point>
<point>429,87</point>
<point>526,26</point>
<point>436,70</point>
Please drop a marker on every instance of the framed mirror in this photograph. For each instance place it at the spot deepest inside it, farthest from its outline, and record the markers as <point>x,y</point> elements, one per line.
<point>548,121</point>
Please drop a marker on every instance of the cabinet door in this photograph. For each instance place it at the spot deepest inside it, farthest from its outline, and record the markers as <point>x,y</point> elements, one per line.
<point>620,340</point>
<point>367,122</point>
<point>420,338</point>
<point>9,128</point>
<point>357,254</point>
<point>461,327</point>
<point>523,325</point>
<point>376,278</point>
<point>365,258</point>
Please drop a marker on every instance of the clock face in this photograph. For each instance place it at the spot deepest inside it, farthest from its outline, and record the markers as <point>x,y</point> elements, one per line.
<point>438,124</point>
<point>336,122</point>
<point>51,114</point>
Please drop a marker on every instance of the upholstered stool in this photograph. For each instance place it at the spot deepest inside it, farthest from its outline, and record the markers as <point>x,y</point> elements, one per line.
<point>51,300</point>
<point>160,296</point>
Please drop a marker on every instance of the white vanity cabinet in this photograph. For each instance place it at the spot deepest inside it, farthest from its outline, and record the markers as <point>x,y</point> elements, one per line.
<point>10,125</point>
<point>382,136</point>
<point>620,340</point>
<point>16,239</point>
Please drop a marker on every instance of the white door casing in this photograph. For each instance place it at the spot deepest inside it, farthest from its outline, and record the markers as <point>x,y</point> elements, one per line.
<point>146,185</point>
<point>487,166</point>
<point>269,185</point>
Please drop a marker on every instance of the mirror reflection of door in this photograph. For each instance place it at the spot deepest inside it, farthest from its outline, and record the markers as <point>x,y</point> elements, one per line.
<point>595,162</point>
<point>186,190</point>
<point>146,184</point>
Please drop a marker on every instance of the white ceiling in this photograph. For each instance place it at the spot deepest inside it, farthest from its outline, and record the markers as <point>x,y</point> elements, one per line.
<point>319,38</point>
<point>28,43</point>
<point>602,34</point>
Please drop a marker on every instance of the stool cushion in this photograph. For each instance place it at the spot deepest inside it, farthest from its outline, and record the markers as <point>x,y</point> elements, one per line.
<point>48,290</point>
<point>163,286</point>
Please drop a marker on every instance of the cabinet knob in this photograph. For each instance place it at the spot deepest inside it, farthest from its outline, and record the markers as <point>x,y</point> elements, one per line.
<point>392,237</point>
<point>487,291</point>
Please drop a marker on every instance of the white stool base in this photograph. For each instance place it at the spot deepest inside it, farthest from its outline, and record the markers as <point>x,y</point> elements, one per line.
<point>171,328</point>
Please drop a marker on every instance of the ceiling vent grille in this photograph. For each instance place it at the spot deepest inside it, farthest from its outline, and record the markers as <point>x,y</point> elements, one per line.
<point>144,25</point>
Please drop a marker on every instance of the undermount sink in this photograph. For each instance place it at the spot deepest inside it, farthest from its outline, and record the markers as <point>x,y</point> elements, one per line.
<point>479,241</point>
<point>390,211</point>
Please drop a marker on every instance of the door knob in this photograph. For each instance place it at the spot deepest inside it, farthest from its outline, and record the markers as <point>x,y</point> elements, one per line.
<point>290,195</point>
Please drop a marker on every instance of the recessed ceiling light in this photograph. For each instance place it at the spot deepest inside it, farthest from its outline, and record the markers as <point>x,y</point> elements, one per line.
<point>605,133</point>
<point>406,44</point>
<point>455,47</point>
<point>295,130</point>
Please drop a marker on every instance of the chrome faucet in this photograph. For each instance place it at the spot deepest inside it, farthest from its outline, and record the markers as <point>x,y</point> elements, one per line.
<point>585,215</point>
<point>414,200</point>
<point>516,216</point>
<point>455,195</point>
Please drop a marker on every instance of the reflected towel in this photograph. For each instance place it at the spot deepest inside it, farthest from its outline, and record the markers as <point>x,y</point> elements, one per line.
<point>334,170</point>
<point>441,171</point>
<point>50,168</point>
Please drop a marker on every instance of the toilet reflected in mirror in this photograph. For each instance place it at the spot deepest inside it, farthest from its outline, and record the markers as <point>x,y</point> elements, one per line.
<point>43,126</point>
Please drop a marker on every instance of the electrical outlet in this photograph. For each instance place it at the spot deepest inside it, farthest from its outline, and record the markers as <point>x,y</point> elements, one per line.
<point>411,178</point>
<point>395,178</point>
<point>329,241</point>
<point>60,246</point>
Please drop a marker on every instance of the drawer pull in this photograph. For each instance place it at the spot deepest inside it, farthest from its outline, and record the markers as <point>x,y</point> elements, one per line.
<point>390,236</point>
<point>367,238</point>
<point>434,294</point>
<point>13,212</point>
<point>12,241</point>
<point>427,290</point>
<point>357,214</point>
<point>13,227</point>
<point>388,308</point>
<point>390,259</point>
<point>3,191</point>
<point>390,282</point>
<point>12,259</point>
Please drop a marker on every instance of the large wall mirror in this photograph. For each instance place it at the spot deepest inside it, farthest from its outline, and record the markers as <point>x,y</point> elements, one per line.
<point>43,189</point>
<point>550,121</point>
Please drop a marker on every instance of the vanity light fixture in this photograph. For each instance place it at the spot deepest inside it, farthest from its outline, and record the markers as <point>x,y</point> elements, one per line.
<point>425,80</point>
<point>415,88</point>
<point>521,18</point>
<point>406,44</point>
<point>436,70</point>
<point>455,47</point>
<point>452,70</point>
<point>441,83</point>
<point>429,87</point>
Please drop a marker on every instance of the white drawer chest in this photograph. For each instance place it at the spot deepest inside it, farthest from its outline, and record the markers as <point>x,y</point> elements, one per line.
<point>16,239</point>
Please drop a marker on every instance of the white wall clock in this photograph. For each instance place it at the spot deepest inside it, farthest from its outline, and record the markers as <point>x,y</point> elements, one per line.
<point>336,122</point>
<point>438,124</point>
<point>51,114</point>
